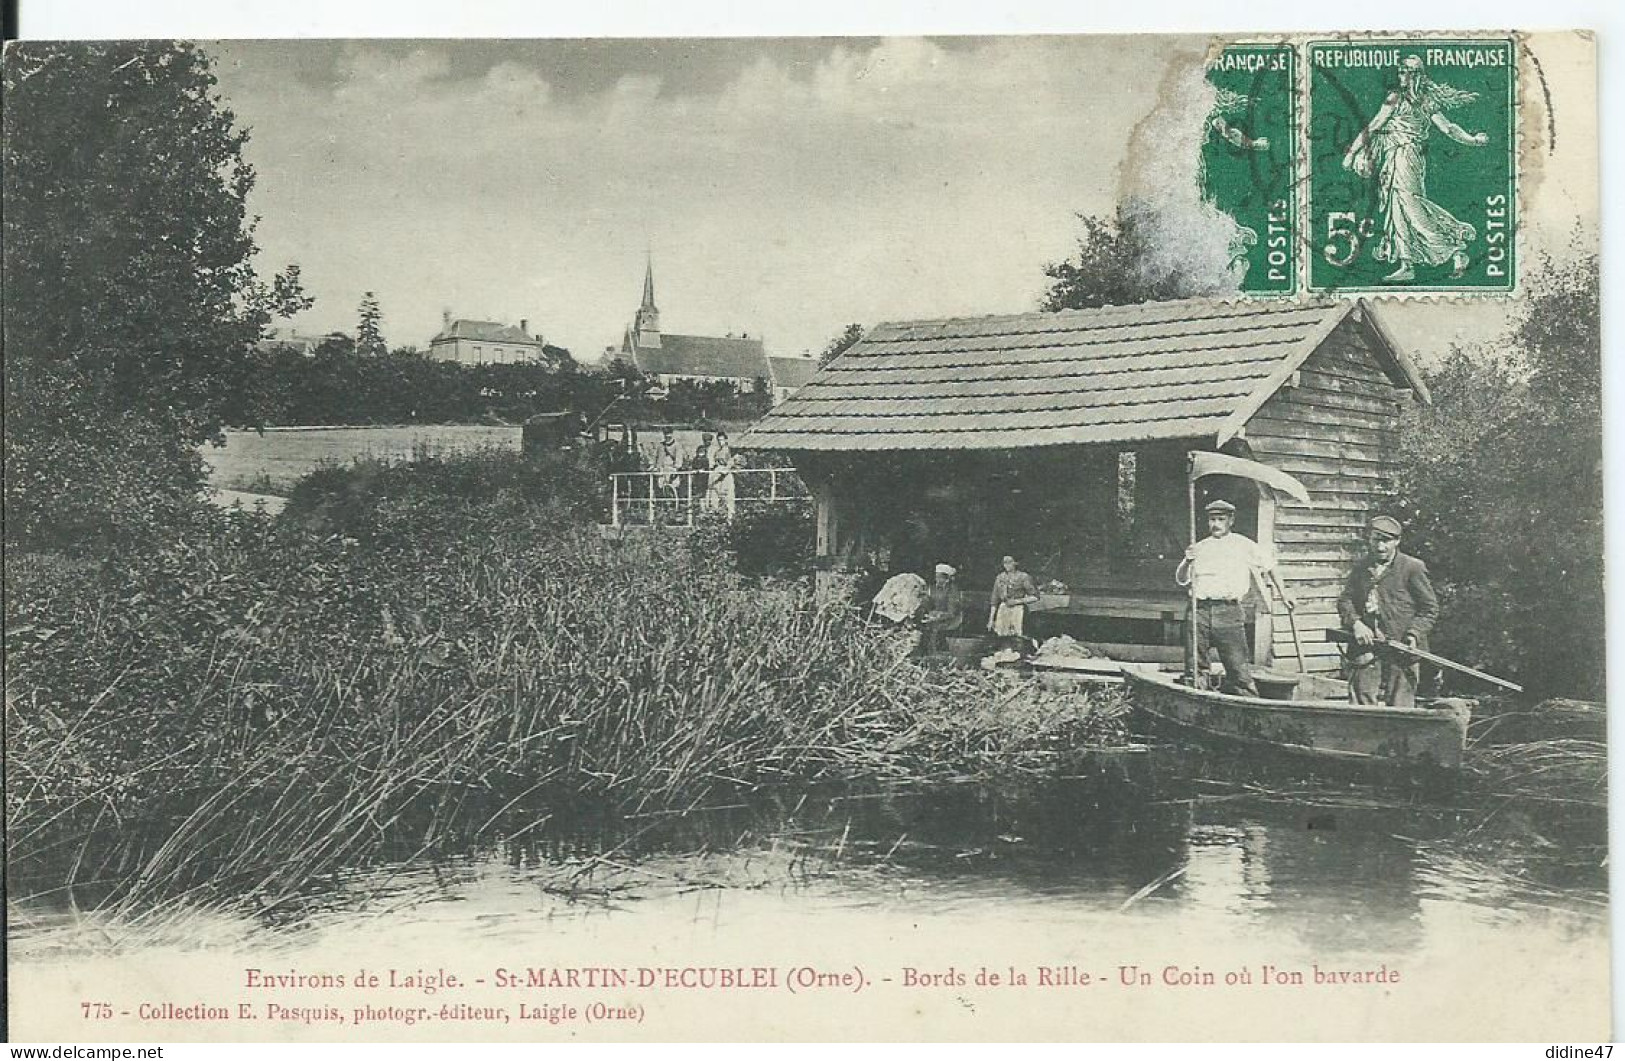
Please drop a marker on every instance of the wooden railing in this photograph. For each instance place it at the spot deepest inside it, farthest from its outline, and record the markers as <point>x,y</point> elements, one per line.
<point>681,497</point>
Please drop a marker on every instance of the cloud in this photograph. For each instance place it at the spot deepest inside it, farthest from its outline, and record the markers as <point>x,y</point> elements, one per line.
<point>365,72</point>
<point>808,189</point>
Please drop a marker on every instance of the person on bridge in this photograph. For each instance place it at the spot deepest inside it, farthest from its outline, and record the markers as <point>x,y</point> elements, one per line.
<point>720,494</point>
<point>668,462</point>
<point>700,471</point>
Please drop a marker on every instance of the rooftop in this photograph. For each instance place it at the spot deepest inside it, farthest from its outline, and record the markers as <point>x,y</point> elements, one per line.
<point>703,355</point>
<point>1182,369</point>
<point>485,332</point>
<point>791,372</point>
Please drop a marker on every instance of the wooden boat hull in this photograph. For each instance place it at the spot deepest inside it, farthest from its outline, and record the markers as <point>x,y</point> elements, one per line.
<point>1425,738</point>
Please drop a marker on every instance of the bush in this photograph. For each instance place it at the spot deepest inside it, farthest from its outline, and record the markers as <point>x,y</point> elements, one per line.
<point>370,499</point>
<point>776,540</point>
<point>88,483</point>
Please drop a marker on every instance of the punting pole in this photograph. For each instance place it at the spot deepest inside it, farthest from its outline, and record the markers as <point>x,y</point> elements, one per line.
<point>1297,645</point>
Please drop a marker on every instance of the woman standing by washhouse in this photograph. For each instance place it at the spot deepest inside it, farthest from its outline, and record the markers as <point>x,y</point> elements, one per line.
<point>1013,591</point>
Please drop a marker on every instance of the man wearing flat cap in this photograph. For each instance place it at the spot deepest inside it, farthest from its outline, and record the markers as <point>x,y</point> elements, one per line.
<point>1388,598</point>
<point>1224,567</point>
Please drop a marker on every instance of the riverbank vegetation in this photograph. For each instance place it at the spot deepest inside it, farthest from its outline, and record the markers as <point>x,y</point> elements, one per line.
<point>1501,485</point>
<point>414,658</point>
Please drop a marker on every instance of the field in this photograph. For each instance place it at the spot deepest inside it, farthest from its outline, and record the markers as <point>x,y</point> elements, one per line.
<point>271,462</point>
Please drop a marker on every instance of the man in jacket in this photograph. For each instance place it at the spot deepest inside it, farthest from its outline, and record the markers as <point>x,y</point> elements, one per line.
<point>1388,598</point>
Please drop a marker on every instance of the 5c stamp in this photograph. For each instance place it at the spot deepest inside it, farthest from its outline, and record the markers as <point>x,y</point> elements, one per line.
<point>1412,148</point>
<point>1249,162</point>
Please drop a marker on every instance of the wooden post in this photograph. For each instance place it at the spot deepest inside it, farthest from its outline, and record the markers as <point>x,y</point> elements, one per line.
<point>828,518</point>
<point>1264,618</point>
<point>772,485</point>
<point>1192,664</point>
<point>650,476</point>
<point>688,478</point>
<point>615,499</point>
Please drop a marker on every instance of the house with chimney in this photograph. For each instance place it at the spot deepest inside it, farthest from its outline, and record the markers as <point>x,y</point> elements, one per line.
<point>479,342</point>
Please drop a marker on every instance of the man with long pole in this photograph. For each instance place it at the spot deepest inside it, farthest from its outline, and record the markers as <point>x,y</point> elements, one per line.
<point>1221,569</point>
<point>1388,598</point>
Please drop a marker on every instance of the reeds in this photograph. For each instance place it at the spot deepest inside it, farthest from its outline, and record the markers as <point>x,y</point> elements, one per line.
<point>260,706</point>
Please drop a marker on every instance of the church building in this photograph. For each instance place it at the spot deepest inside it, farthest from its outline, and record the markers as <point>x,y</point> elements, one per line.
<point>668,357</point>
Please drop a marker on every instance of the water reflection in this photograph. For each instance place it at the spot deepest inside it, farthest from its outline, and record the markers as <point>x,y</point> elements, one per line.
<point>1331,870</point>
<point>1335,880</point>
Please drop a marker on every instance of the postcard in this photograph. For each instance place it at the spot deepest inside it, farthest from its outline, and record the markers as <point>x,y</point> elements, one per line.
<point>992,538</point>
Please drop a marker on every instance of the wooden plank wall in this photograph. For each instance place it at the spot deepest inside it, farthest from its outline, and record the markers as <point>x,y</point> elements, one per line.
<point>1335,428</point>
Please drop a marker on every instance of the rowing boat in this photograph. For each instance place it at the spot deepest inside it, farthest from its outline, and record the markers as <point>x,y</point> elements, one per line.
<point>1430,737</point>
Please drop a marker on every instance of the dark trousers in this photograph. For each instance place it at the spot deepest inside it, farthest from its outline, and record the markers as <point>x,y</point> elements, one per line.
<point>1383,678</point>
<point>1222,625</point>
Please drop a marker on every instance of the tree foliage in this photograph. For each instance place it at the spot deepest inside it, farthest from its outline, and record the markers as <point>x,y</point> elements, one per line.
<point>1111,269</point>
<point>850,336</point>
<point>1501,478</point>
<point>131,300</point>
<point>341,384</point>
<point>369,336</point>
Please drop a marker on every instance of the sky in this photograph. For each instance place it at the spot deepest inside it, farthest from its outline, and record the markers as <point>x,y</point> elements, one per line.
<point>782,187</point>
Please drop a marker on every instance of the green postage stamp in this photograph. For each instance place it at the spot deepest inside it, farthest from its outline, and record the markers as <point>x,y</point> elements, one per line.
<point>1412,149</point>
<point>1249,161</point>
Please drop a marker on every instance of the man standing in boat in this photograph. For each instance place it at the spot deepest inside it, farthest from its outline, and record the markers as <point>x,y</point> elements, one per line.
<point>1388,597</point>
<point>1224,567</point>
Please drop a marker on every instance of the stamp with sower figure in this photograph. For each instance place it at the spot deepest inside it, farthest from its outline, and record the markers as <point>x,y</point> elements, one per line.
<point>1412,165</point>
<point>1249,162</point>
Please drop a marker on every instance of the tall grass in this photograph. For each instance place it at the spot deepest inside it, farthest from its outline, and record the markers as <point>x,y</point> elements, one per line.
<point>423,660</point>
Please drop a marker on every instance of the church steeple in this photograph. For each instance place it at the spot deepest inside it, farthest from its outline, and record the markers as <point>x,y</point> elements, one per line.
<point>647,323</point>
<point>649,285</point>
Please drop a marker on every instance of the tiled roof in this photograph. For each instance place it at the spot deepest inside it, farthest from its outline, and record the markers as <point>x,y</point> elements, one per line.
<point>485,332</point>
<point>293,341</point>
<point>793,372</point>
<point>704,355</point>
<point>1182,369</point>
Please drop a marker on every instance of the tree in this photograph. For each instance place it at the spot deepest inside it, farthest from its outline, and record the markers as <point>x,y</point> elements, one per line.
<point>560,358</point>
<point>1501,479</point>
<point>131,302</point>
<point>1111,269</point>
<point>369,339</point>
<point>850,336</point>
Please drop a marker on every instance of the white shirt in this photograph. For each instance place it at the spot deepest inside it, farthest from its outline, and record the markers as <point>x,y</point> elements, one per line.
<point>1223,567</point>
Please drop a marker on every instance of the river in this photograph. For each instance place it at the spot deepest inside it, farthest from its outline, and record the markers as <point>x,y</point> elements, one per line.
<point>1152,910</point>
